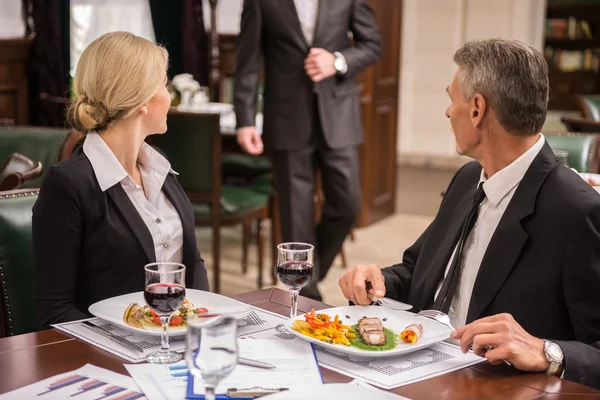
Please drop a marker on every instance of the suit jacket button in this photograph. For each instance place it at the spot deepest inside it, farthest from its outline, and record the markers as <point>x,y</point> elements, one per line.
<point>158,220</point>
<point>166,245</point>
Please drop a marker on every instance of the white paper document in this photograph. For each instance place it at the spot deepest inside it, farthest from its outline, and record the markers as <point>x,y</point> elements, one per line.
<point>86,383</point>
<point>258,320</point>
<point>160,382</point>
<point>390,373</point>
<point>293,358</point>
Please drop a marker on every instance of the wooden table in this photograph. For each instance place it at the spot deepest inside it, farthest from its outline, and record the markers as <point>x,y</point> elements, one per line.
<point>26,359</point>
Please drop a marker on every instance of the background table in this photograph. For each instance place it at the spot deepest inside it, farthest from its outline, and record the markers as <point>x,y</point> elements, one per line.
<point>26,359</point>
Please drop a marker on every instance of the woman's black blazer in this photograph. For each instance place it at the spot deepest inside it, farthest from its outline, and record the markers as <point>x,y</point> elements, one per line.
<point>91,245</point>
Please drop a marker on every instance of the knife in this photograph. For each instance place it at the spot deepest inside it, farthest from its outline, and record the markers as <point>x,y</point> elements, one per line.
<point>387,302</point>
<point>112,336</point>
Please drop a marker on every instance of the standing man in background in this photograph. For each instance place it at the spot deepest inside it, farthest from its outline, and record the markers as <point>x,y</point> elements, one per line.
<point>311,110</point>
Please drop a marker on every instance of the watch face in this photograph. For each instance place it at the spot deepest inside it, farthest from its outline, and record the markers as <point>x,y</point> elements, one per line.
<point>338,64</point>
<point>554,352</point>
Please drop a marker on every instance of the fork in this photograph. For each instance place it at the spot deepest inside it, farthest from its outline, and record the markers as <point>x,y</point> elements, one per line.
<point>438,316</point>
<point>443,318</point>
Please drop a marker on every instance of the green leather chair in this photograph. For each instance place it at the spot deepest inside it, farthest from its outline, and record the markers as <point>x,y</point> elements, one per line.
<point>193,145</point>
<point>582,149</point>
<point>38,144</point>
<point>590,106</point>
<point>17,314</point>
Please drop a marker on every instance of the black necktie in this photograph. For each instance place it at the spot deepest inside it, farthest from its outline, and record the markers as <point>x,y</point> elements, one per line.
<point>444,298</point>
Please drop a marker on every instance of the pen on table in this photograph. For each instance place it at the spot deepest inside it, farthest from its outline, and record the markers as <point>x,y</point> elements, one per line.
<point>253,392</point>
<point>255,363</point>
<point>247,361</point>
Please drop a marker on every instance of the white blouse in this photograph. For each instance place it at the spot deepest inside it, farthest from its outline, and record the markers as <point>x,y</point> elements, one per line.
<point>154,207</point>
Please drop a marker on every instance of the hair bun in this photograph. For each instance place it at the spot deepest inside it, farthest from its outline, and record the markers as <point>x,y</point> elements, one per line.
<point>85,115</point>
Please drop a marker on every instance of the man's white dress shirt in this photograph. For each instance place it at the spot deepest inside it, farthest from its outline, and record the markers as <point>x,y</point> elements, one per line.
<point>307,14</point>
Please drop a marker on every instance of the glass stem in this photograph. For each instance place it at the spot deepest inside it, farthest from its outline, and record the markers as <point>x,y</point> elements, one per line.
<point>209,392</point>
<point>294,301</point>
<point>164,337</point>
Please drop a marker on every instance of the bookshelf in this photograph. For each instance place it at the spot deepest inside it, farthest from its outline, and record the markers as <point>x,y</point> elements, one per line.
<point>572,50</point>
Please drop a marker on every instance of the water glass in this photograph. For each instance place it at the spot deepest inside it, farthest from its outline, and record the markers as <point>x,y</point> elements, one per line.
<point>212,350</point>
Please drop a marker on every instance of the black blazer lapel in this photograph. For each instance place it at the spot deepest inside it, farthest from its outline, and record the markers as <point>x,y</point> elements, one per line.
<point>435,273</point>
<point>177,197</point>
<point>510,237</point>
<point>133,218</point>
<point>292,16</point>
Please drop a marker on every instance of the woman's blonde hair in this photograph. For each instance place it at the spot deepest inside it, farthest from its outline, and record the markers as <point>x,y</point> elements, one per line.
<point>116,74</point>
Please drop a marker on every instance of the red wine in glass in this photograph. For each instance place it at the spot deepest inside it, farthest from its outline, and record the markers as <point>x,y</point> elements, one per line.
<point>164,298</point>
<point>295,274</point>
<point>294,269</point>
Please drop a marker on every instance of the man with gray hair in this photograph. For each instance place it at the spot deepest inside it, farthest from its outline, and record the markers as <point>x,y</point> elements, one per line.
<point>513,255</point>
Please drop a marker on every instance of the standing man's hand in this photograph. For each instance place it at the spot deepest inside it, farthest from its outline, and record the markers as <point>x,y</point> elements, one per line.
<point>250,140</point>
<point>354,284</point>
<point>319,64</point>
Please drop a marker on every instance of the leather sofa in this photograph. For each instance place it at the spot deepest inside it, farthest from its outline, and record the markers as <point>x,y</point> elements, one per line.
<point>17,314</point>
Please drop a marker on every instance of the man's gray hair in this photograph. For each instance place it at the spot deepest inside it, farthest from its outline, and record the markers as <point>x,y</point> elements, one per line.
<point>511,76</point>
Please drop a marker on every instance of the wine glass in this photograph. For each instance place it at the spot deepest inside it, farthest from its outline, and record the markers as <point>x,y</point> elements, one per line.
<point>211,350</point>
<point>295,269</point>
<point>164,293</point>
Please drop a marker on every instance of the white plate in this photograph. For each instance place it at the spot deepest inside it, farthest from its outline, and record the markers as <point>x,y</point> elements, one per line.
<point>112,309</point>
<point>334,391</point>
<point>433,331</point>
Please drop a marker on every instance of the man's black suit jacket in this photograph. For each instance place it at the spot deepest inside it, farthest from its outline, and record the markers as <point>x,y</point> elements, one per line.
<point>542,264</point>
<point>272,27</point>
<point>91,245</point>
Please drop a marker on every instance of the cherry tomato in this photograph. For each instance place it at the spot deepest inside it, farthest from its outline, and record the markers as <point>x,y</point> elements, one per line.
<point>201,310</point>
<point>156,319</point>
<point>176,321</point>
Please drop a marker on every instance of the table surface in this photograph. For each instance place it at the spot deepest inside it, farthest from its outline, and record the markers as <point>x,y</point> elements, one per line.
<point>51,352</point>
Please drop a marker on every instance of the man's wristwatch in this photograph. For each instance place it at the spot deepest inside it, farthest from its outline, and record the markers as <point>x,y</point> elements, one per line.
<point>555,356</point>
<point>339,63</point>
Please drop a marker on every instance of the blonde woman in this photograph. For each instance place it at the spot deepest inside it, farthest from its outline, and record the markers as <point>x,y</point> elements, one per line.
<point>115,204</point>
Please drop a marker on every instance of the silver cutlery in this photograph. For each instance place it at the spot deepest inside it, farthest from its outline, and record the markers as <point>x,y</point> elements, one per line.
<point>118,339</point>
<point>391,304</point>
<point>386,302</point>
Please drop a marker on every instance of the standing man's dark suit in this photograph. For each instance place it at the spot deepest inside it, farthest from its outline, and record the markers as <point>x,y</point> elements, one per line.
<point>308,124</point>
<point>542,264</point>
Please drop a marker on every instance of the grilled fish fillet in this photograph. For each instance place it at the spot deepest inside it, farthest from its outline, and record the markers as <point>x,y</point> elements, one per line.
<point>371,331</point>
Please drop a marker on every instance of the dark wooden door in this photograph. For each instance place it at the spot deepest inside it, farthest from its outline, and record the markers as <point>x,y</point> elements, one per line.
<point>13,81</point>
<point>379,100</point>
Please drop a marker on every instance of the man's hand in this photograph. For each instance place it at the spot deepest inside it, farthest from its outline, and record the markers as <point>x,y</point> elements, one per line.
<point>250,140</point>
<point>353,284</point>
<point>499,338</point>
<point>319,64</point>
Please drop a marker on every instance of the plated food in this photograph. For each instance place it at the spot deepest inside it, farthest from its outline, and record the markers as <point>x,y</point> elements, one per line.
<point>411,333</point>
<point>367,334</point>
<point>143,317</point>
<point>323,328</point>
